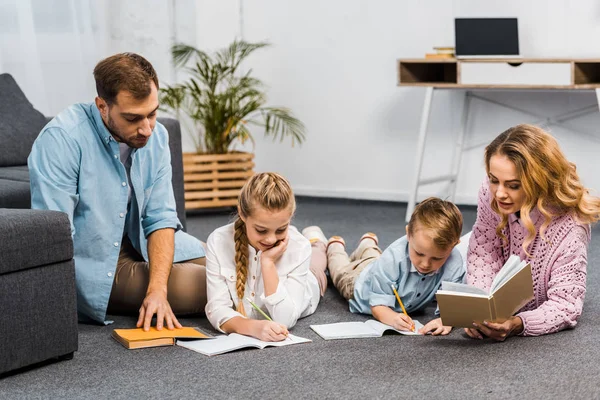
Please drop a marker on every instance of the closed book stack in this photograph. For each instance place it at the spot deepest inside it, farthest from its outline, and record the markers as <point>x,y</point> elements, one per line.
<point>441,53</point>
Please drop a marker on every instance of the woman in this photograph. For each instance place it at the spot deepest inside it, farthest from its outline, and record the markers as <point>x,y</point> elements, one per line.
<point>532,204</point>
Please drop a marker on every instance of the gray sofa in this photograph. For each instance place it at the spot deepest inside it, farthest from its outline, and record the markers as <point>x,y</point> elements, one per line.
<point>38,311</point>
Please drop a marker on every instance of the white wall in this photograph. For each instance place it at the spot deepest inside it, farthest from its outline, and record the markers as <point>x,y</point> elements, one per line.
<point>333,63</point>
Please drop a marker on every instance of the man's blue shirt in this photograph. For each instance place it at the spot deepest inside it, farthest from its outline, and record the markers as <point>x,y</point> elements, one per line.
<point>75,167</point>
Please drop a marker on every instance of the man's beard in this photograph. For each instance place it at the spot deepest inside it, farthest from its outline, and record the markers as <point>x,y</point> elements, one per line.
<point>114,131</point>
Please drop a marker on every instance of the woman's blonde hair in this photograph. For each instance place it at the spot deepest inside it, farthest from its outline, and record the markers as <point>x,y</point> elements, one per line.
<point>441,218</point>
<point>266,190</point>
<point>550,182</point>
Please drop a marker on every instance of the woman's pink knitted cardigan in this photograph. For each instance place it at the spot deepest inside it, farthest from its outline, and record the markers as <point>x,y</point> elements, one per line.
<point>558,264</point>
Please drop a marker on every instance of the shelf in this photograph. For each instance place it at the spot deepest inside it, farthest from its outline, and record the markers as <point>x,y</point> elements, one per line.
<point>508,73</point>
<point>587,73</point>
<point>427,72</point>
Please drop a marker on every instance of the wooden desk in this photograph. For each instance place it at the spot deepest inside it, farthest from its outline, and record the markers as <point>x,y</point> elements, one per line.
<point>491,74</point>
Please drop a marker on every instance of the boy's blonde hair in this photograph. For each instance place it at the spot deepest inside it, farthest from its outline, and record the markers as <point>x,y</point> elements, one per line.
<point>549,180</point>
<point>266,190</point>
<point>441,218</point>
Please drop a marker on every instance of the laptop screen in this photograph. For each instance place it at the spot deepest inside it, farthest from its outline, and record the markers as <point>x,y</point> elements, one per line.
<point>484,37</point>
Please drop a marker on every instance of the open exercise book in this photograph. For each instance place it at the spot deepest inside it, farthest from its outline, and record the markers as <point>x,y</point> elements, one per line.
<point>358,330</point>
<point>234,341</point>
<point>511,289</point>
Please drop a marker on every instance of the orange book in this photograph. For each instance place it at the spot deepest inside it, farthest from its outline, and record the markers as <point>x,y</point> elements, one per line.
<point>137,338</point>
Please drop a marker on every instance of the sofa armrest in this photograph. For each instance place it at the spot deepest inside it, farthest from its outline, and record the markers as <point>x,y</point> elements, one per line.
<point>48,232</point>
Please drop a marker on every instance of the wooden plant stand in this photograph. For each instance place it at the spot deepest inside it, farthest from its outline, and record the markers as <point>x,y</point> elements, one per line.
<point>215,180</point>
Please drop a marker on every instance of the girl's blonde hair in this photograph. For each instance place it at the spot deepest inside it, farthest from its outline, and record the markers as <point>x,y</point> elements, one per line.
<point>441,218</point>
<point>549,180</point>
<point>266,190</point>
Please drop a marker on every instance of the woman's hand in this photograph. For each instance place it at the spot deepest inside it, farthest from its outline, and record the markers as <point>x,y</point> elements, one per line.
<point>500,332</point>
<point>436,327</point>
<point>473,333</point>
<point>269,331</point>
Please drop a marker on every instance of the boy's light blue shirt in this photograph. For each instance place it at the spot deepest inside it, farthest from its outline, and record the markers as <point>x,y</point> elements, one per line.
<point>75,167</point>
<point>393,267</point>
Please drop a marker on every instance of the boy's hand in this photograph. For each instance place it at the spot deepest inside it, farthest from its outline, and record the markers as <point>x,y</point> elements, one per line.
<point>402,322</point>
<point>435,327</point>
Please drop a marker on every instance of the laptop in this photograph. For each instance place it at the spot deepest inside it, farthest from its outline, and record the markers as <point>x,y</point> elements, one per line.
<point>486,38</point>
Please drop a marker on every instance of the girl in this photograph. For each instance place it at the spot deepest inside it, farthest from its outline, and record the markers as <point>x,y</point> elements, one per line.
<point>532,204</point>
<point>260,259</point>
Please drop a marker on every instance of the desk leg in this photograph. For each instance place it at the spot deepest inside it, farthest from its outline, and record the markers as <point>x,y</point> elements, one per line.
<point>420,150</point>
<point>598,98</point>
<point>459,146</point>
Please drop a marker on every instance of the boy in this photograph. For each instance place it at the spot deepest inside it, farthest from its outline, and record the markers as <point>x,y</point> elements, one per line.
<point>415,265</point>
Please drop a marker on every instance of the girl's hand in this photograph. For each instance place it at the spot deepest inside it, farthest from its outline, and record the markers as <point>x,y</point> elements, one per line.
<point>269,331</point>
<point>275,252</point>
<point>435,327</point>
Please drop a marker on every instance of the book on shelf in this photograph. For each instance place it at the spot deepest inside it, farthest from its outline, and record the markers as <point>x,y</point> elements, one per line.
<point>137,338</point>
<point>460,304</point>
<point>435,56</point>
<point>358,330</point>
<point>234,341</point>
<point>444,50</point>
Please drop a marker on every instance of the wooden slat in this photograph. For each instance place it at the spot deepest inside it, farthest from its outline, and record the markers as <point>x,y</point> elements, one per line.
<point>219,166</point>
<point>215,180</point>
<point>191,186</point>
<point>216,175</point>
<point>189,205</point>
<point>210,194</point>
<point>193,157</point>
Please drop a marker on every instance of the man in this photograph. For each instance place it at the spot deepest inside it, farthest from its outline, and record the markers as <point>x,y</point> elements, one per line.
<point>107,165</point>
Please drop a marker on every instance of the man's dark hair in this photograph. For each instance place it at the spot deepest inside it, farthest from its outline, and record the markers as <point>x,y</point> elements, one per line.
<point>124,71</point>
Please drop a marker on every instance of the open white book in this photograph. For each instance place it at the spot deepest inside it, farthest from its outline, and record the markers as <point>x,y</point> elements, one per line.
<point>235,341</point>
<point>357,330</point>
<point>460,305</point>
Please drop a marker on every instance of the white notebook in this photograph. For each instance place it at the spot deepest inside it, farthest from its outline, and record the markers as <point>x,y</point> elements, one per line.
<point>357,330</point>
<point>235,341</point>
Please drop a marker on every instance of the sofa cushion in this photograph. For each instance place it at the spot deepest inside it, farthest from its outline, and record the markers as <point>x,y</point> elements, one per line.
<point>33,238</point>
<point>14,194</point>
<point>20,173</point>
<point>174,129</point>
<point>20,123</point>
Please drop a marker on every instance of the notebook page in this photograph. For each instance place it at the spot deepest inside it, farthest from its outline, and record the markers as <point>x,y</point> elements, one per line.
<point>380,327</point>
<point>344,330</point>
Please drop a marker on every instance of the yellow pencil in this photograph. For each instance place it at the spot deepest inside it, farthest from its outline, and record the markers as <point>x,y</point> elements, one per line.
<point>402,306</point>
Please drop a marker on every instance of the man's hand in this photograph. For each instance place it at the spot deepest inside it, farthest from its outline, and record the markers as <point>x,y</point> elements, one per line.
<point>436,327</point>
<point>500,332</point>
<point>156,303</point>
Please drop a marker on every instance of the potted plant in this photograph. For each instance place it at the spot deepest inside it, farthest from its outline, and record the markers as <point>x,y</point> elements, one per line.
<point>223,105</point>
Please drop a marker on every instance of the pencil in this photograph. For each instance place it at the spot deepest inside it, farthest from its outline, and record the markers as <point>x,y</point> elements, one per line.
<point>402,305</point>
<point>258,309</point>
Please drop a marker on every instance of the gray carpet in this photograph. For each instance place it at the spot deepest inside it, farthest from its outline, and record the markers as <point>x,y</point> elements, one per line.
<point>558,366</point>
